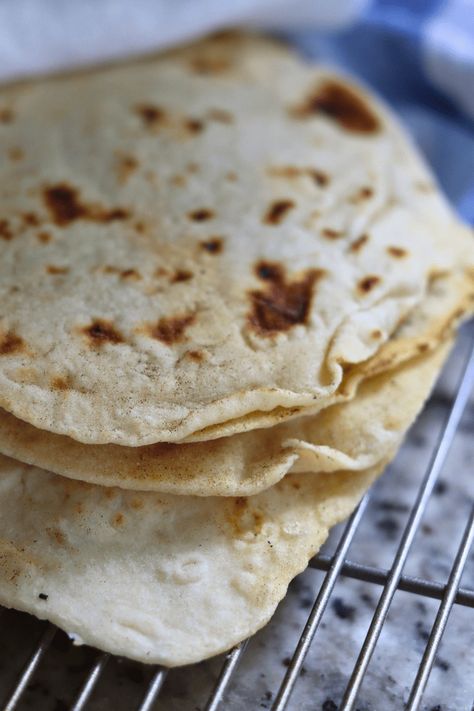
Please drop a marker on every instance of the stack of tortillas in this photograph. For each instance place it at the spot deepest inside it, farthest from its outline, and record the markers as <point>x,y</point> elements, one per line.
<point>227,286</point>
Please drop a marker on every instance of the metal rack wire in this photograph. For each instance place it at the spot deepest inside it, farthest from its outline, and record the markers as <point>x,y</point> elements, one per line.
<point>391,580</point>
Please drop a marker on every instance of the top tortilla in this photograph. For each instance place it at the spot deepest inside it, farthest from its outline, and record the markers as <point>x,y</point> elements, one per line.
<point>212,233</point>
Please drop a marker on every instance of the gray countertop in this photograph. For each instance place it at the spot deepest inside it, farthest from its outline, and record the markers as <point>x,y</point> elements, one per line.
<point>335,648</point>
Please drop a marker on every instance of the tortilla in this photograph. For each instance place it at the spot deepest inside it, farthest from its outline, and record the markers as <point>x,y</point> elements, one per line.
<point>161,579</point>
<point>352,436</point>
<point>212,233</point>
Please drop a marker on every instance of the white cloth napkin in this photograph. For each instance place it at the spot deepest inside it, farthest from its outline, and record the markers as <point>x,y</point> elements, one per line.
<point>38,36</point>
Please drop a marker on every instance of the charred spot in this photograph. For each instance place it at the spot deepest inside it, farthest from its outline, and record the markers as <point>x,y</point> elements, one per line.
<point>283,303</point>
<point>54,269</point>
<point>181,275</point>
<point>150,115</point>
<point>220,115</point>
<point>422,347</point>
<point>6,115</point>
<point>269,271</point>
<point>5,230</point>
<point>43,596</point>
<point>11,343</point>
<point>194,125</point>
<point>320,178</point>
<point>201,215</point>
<point>277,211</point>
<point>342,105</point>
<point>30,219</point>
<point>358,243</point>
<point>214,245</point>
<point>330,233</point>
<point>65,206</point>
<point>368,283</point>
<point>397,252</point>
<point>101,331</point>
<point>171,330</point>
<point>61,383</point>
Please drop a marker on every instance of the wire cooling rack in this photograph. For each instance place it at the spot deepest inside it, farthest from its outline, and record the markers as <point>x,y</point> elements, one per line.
<point>91,683</point>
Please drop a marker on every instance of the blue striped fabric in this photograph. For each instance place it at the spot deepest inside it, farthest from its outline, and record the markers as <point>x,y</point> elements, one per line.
<point>419,55</point>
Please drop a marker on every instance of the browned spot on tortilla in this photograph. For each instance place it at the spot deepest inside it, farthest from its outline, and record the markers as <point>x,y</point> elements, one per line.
<point>330,233</point>
<point>161,272</point>
<point>397,252</point>
<point>136,503</point>
<point>296,485</point>
<point>367,283</point>
<point>358,243</point>
<point>118,519</point>
<point>423,347</point>
<point>61,383</point>
<point>126,166</point>
<point>231,176</point>
<point>320,178</point>
<point>283,303</point>
<point>140,226</point>
<point>44,237</point>
<point>181,275</point>
<point>15,153</point>
<point>257,522</point>
<point>192,167</point>
<point>30,219</point>
<point>131,274</point>
<point>64,205</point>
<point>54,269</point>
<point>277,211</point>
<point>201,215</point>
<point>220,115</point>
<point>341,104</point>
<point>5,230</point>
<point>178,180</point>
<point>291,171</point>
<point>238,508</point>
<point>57,535</point>
<point>172,329</point>
<point>6,115</point>
<point>209,64</point>
<point>213,245</point>
<point>101,331</point>
<point>363,194</point>
<point>195,355</point>
<point>11,343</point>
<point>151,115</point>
<point>423,187</point>
<point>376,334</point>
<point>194,125</point>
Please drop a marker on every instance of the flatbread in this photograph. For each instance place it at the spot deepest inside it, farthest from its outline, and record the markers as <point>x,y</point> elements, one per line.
<point>161,579</point>
<point>215,232</point>
<point>352,436</point>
